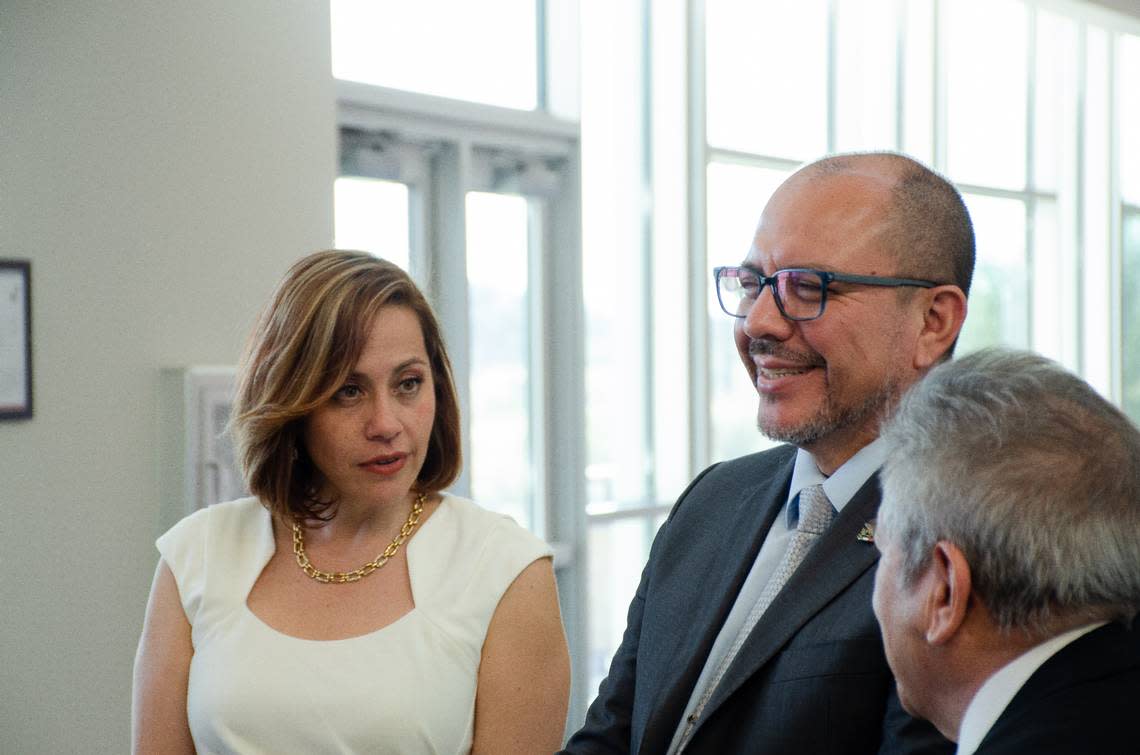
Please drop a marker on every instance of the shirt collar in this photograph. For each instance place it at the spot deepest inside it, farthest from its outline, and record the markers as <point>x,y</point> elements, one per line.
<point>843,484</point>
<point>994,695</point>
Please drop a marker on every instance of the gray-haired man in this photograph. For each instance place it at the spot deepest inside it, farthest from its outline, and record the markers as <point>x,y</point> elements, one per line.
<point>1010,570</point>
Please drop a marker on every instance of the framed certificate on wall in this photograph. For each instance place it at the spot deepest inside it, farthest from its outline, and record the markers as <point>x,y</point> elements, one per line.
<point>15,339</point>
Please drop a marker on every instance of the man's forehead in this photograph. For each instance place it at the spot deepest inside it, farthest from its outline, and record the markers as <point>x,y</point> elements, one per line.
<point>809,224</point>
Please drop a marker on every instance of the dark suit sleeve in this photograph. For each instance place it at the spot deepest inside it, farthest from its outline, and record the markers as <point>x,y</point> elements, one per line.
<point>904,734</point>
<point>607,726</point>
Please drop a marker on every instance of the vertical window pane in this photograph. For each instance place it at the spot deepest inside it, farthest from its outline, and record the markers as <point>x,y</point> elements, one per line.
<point>986,87</point>
<point>618,552</point>
<point>499,306</point>
<point>1130,317</point>
<point>998,308</point>
<point>372,216</point>
<point>613,262</point>
<point>441,47</point>
<point>1096,335</point>
<point>866,50</point>
<point>1055,305</point>
<point>1128,84</point>
<point>736,197</point>
<point>1055,103</point>
<point>672,349</point>
<point>918,80</point>
<point>766,76</point>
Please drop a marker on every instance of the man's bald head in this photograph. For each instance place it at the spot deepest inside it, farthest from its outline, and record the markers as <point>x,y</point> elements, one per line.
<point>929,229</point>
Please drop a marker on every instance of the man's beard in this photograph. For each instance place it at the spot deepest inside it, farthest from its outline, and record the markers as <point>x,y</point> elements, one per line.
<point>831,418</point>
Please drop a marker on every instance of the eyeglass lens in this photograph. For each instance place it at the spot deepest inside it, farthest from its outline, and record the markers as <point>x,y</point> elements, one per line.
<point>799,293</point>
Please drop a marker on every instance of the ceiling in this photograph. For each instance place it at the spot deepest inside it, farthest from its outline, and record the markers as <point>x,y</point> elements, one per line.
<point>1131,7</point>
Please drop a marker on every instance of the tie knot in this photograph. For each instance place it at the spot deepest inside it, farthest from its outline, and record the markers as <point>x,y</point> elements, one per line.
<point>816,511</point>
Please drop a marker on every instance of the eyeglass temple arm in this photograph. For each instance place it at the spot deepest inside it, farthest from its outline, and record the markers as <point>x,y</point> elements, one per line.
<point>868,280</point>
<point>875,280</point>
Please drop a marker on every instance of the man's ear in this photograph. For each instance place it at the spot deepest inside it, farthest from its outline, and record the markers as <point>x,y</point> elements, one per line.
<point>941,322</point>
<point>948,597</point>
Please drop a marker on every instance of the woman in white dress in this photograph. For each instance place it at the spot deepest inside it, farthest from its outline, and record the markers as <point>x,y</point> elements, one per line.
<point>273,624</point>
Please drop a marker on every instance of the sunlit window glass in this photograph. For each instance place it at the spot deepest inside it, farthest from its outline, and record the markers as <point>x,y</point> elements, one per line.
<point>1097,344</point>
<point>618,551</point>
<point>452,48</point>
<point>616,291</point>
<point>736,196</point>
<point>998,295</point>
<point>767,76</point>
<point>866,48</point>
<point>986,85</point>
<point>1130,331</point>
<point>372,216</point>
<point>918,80</point>
<point>1055,117</point>
<point>499,303</point>
<point>1129,103</point>
<point>1055,305</point>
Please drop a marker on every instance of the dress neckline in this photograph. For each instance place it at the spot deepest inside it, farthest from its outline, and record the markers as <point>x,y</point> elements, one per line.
<point>268,547</point>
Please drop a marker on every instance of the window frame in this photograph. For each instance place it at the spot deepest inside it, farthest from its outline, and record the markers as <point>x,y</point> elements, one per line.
<point>446,144</point>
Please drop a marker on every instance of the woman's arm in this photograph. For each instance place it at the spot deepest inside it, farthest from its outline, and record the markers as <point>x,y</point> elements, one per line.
<point>524,675</point>
<point>162,668</point>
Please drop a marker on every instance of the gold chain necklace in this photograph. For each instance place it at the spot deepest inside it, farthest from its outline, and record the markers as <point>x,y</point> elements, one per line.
<point>340,577</point>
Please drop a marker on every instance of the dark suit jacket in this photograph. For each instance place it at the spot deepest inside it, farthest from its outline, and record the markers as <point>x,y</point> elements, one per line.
<point>1085,699</point>
<point>811,678</point>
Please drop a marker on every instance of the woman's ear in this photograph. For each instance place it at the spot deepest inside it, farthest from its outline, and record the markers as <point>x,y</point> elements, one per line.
<point>942,321</point>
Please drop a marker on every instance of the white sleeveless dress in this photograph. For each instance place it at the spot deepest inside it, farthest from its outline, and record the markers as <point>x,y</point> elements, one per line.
<point>406,688</point>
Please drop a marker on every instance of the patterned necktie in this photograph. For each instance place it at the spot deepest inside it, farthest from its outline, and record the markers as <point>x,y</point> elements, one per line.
<point>816,513</point>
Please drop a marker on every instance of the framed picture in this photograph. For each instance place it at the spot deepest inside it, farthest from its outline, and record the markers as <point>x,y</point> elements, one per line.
<point>15,339</point>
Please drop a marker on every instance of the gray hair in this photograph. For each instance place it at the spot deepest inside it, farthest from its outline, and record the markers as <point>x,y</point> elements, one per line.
<point>1032,474</point>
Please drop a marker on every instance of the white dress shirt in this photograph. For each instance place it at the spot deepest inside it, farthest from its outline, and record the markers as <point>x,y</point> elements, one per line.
<point>994,695</point>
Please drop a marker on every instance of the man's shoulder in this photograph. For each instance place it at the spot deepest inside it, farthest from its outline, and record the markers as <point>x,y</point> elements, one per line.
<point>754,466</point>
<point>777,454</point>
<point>1080,700</point>
<point>730,484</point>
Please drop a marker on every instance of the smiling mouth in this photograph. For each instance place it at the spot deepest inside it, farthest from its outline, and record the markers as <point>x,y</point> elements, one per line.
<point>791,362</point>
<point>770,373</point>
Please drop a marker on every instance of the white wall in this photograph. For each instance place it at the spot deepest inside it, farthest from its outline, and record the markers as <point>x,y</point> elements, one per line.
<point>161,164</point>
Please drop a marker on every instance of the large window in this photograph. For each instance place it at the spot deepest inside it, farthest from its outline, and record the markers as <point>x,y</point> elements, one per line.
<point>564,216</point>
<point>475,225</point>
<point>442,47</point>
<point>454,165</point>
<point>1028,107</point>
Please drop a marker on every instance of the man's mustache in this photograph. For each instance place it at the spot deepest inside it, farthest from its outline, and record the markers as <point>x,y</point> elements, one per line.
<point>770,348</point>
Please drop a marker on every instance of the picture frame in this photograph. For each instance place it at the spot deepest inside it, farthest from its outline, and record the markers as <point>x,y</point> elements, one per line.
<point>15,339</point>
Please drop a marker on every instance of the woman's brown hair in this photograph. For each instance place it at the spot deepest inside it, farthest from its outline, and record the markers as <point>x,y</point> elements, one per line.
<point>305,344</point>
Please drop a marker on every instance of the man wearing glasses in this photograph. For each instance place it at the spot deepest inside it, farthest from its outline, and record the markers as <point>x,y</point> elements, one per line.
<point>752,628</point>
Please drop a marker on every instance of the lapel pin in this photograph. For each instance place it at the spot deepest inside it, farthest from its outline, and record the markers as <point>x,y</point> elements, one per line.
<point>867,534</point>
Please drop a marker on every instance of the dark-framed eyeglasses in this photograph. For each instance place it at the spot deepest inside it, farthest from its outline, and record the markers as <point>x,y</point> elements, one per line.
<point>801,293</point>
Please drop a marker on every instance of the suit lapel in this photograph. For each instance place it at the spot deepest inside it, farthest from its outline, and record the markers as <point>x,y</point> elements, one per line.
<point>729,553</point>
<point>836,561</point>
